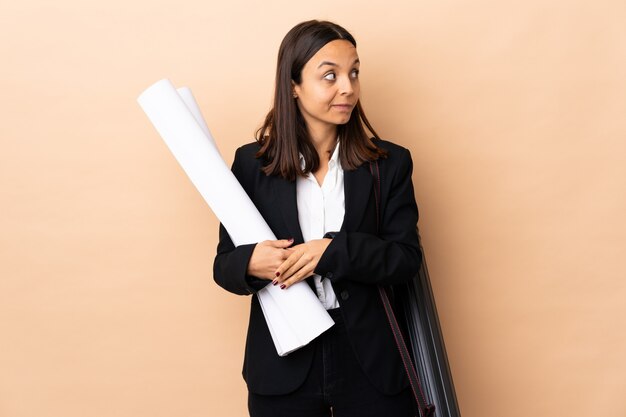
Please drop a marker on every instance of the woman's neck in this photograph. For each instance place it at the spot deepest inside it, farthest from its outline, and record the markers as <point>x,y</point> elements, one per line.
<point>324,141</point>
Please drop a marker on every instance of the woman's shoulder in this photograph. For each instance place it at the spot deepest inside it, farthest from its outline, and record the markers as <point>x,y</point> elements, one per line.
<point>248,150</point>
<point>398,157</point>
<point>246,155</point>
<point>390,147</point>
<point>245,164</point>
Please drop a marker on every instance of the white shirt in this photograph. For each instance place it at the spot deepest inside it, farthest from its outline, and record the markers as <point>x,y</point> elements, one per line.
<point>321,210</point>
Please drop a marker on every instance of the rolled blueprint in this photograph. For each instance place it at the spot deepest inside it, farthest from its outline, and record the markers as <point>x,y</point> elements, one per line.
<point>294,317</point>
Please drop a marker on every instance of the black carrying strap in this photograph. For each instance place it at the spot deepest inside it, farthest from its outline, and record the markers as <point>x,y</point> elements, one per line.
<point>425,409</point>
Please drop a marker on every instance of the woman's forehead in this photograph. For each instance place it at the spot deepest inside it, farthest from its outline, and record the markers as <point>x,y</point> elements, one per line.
<point>335,53</point>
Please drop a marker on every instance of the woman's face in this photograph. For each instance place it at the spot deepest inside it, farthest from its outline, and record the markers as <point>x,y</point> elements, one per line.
<point>330,86</point>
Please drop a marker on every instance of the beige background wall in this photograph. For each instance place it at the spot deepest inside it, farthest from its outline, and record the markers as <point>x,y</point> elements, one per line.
<point>513,111</point>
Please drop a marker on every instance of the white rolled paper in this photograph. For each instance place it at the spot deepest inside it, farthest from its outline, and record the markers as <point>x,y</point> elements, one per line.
<point>294,317</point>
<point>191,103</point>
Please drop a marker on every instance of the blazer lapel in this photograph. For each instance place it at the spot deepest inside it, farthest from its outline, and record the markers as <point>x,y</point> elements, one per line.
<point>357,190</point>
<point>286,199</point>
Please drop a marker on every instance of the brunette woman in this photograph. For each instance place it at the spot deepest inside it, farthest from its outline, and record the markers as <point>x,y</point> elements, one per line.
<point>309,174</point>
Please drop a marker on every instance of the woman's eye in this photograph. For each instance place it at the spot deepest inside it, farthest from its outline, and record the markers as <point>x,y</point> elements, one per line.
<point>330,76</point>
<point>355,73</point>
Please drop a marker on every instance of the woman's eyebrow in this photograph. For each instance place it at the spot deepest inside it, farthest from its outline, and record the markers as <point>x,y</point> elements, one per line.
<point>332,64</point>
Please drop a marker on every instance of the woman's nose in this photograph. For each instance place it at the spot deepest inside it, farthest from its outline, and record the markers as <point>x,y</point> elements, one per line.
<point>345,86</point>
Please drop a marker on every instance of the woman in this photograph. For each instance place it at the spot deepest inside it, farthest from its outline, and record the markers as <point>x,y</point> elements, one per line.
<point>309,175</point>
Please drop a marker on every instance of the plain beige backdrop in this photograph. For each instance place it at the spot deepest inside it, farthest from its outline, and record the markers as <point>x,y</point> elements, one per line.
<point>514,114</point>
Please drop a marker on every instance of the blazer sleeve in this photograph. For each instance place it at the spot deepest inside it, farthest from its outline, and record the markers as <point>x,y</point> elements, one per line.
<point>231,263</point>
<point>392,257</point>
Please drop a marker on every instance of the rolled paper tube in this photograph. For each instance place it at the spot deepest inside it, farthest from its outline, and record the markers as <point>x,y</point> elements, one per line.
<point>294,317</point>
<point>191,103</point>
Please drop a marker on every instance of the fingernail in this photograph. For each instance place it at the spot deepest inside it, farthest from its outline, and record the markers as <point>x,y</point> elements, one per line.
<point>277,273</point>
<point>274,282</point>
<point>282,287</point>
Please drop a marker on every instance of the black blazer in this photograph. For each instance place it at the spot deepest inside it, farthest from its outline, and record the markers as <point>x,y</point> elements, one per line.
<point>356,261</point>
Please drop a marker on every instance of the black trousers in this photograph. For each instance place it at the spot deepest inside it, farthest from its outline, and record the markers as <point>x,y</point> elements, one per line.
<point>335,386</point>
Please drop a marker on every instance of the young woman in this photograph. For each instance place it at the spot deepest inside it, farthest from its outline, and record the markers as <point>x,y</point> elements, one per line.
<point>309,175</point>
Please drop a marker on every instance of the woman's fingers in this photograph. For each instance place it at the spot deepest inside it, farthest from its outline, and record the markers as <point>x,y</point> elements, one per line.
<point>282,243</point>
<point>301,262</point>
<point>267,256</point>
<point>300,275</point>
<point>281,271</point>
<point>295,268</point>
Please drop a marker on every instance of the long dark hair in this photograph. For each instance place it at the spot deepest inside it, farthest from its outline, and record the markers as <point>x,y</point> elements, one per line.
<point>284,132</point>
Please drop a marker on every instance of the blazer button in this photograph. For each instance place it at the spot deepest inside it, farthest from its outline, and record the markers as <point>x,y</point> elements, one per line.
<point>329,275</point>
<point>345,295</point>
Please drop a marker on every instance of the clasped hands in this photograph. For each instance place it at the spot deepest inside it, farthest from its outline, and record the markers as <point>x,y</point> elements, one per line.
<point>284,265</point>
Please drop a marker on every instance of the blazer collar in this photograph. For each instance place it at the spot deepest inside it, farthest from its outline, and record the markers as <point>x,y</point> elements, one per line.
<point>357,190</point>
<point>285,197</point>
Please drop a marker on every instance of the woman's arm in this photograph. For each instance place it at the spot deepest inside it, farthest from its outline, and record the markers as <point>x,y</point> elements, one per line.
<point>231,263</point>
<point>248,268</point>
<point>230,266</point>
<point>392,257</point>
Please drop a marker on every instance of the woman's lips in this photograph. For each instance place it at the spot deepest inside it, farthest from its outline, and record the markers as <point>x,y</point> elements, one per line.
<point>343,107</point>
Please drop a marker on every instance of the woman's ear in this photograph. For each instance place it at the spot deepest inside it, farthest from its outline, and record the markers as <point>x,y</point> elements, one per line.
<point>293,89</point>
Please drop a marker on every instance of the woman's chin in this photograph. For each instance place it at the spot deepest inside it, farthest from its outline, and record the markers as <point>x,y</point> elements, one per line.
<point>343,120</point>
